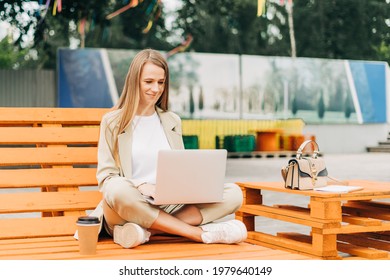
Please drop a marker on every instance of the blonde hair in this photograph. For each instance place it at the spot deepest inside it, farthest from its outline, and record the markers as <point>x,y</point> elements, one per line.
<point>130,97</point>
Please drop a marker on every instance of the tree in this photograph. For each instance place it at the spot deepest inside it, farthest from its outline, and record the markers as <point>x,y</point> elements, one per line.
<point>229,26</point>
<point>348,106</point>
<point>84,23</point>
<point>201,97</point>
<point>321,106</point>
<point>294,105</point>
<point>9,56</point>
<point>191,101</point>
<point>343,29</point>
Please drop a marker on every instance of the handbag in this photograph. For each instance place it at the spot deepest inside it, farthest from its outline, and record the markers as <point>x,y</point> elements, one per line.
<point>305,173</point>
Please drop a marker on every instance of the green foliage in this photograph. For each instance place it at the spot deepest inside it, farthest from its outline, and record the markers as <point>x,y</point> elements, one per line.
<point>383,52</point>
<point>50,32</point>
<point>191,101</point>
<point>229,26</point>
<point>294,105</point>
<point>348,106</point>
<point>10,57</point>
<point>201,101</point>
<point>321,106</point>
<point>342,29</point>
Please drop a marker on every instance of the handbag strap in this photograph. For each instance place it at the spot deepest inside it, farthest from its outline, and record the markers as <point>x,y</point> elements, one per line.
<point>303,145</point>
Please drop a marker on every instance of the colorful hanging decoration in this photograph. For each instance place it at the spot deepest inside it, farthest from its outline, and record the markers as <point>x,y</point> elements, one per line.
<point>153,8</point>
<point>59,6</point>
<point>55,8</point>
<point>44,11</point>
<point>148,27</point>
<point>282,2</point>
<point>47,4</point>
<point>132,4</point>
<point>183,46</point>
<point>81,27</point>
<point>260,7</point>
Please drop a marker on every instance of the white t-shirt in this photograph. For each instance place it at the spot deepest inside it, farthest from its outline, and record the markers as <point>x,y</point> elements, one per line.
<point>148,139</point>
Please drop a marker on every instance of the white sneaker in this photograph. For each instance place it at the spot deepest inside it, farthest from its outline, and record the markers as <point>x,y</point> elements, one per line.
<point>130,235</point>
<point>233,231</point>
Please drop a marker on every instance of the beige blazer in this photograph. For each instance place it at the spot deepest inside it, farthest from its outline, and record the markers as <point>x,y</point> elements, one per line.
<point>107,167</point>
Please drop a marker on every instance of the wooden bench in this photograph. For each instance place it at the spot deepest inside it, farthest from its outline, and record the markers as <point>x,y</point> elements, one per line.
<point>46,155</point>
<point>48,160</point>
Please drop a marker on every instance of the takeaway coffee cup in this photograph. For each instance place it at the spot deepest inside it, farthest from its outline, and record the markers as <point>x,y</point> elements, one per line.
<point>88,231</point>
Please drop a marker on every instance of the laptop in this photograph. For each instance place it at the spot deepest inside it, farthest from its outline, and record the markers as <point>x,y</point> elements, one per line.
<point>189,176</point>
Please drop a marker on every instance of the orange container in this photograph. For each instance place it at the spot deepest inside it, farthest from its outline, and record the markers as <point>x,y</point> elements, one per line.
<point>267,141</point>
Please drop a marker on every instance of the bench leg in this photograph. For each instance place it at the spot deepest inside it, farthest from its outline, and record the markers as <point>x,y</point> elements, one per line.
<point>331,213</point>
<point>251,196</point>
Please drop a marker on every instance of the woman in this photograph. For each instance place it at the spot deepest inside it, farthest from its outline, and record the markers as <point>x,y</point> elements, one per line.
<point>130,137</point>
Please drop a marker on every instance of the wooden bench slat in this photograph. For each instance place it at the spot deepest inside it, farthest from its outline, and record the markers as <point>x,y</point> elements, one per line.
<point>48,156</point>
<point>91,116</point>
<point>362,251</point>
<point>20,242</point>
<point>280,242</point>
<point>37,227</point>
<point>286,215</point>
<point>152,250</point>
<point>364,241</point>
<point>47,177</point>
<point>48,201</point>
<point>361,221</point>
<point>351,228</point>
<point>382,235</point>
<point>346,248</point>
<point>365,211</point>
<point>373,205</point>
<point>48,135</point>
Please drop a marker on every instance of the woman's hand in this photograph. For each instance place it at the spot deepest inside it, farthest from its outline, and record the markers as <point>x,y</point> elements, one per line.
<point>147,189</point>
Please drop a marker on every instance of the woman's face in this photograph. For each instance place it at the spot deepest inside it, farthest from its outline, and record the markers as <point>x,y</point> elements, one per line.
<point>151,87</point>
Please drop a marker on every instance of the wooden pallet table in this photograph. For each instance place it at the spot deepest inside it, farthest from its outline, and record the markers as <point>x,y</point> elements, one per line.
<point>355,224</point>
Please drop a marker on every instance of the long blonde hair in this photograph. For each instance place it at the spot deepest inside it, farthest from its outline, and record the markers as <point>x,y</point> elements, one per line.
<point>130,97</point>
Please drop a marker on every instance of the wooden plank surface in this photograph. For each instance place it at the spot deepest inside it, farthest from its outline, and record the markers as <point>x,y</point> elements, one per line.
<point>371,190</point>
<point>298,217</point>
<point>285,243</point>
<point>350,228</point>
<point>37,227</point>
<point>48,156</point>
<point>382,235</point>
<point>19,115</point>
<point>48,201</point>
<point>355,220</point>
<point>363,252</point>
<point>366,211</point>
<point>364,241</point>
<point>157,249</point>
<point>47,177</point>
<point>354,249</point>
<point>49,135</point>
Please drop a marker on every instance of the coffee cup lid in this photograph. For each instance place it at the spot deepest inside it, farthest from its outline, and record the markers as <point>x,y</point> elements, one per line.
<point>88,220</point>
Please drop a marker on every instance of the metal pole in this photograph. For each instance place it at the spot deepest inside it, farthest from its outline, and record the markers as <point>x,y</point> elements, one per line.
<point>289,8</point>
